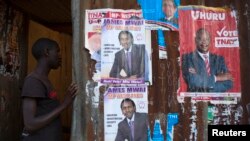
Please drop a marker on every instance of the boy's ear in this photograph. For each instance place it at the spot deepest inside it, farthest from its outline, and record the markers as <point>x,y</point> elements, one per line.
<point>46,52</point>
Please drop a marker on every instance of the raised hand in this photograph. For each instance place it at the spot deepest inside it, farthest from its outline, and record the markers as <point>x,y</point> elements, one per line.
<point>70,94</point>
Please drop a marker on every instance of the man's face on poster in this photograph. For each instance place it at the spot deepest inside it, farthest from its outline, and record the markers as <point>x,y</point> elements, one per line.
<point>168,8</point>
<point>202,41</point>
<point>128,109</point>
<point>95,42</point>
<point>125,41</point>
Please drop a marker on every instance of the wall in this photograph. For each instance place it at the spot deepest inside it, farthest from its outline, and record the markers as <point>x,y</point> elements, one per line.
<point>162,95</point>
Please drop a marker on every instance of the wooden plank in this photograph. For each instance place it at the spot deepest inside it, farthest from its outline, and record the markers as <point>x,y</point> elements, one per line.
<point>81,117</point>
<point>12,48</point>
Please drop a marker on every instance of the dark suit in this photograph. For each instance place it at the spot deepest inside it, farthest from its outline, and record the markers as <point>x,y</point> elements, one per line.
<point>138,58</point>
<point>140,128</point>
<point>201,81</point>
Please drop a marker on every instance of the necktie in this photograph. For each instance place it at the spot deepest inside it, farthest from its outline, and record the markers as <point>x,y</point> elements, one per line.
<point>128,57</point>
<point>207,64</point>
<point>131,125</point>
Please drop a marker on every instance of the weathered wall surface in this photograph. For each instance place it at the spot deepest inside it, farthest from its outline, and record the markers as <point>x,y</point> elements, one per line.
<point>88,122</point>
<point>11,71</point>
<point>162,94</point>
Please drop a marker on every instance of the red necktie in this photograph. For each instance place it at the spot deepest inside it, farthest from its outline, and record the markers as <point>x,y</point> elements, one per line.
<point>207,64</point>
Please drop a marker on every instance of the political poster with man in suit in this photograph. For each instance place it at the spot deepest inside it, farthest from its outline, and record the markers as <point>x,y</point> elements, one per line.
<point>209,53</point>
<point>125,55</point>
<point>116,113</point>
<point>160,14</point>
<point>93,30</point>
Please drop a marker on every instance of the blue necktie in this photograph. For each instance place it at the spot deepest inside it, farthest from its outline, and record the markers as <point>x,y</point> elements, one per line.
<point>128,57</point>
<point>131,125</point>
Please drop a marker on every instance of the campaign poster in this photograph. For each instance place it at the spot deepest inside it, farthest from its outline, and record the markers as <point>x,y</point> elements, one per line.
<point>160,14</point>
<point>162,45</point>
<point>125,54</point>
<point>93,34</point>
<point>209,53</point>
<point>93,29</point>
<point>112,110</point>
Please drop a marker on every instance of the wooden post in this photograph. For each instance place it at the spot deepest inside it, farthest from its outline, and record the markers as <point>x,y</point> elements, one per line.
<point>80,117</point>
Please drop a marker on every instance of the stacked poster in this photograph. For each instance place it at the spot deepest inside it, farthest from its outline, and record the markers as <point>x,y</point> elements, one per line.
<point>125,55</point>
<point>115,39</point>
<point>93,29</point>
<point>112,110</point>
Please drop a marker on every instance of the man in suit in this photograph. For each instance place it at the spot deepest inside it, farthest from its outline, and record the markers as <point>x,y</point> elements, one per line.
<point>131,61</point>
<point>204,71</point>
<point>169,8</point>
<point>135,125</point>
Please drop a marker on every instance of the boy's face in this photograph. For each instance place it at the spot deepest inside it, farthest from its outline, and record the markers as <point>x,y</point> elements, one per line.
<point>54,57</point>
